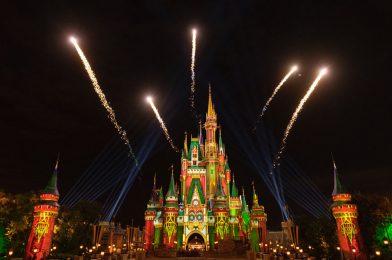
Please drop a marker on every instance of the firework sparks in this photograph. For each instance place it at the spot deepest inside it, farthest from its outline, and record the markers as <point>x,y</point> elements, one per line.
<point>102,97</point>
<point>296,113</point>
<point>163,126</point>
<point>193,84</point>
<point>292,70</point>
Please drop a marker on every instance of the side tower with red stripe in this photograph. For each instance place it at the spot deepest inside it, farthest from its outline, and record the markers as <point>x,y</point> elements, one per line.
<point>346,216</point>
<point>45,214</point>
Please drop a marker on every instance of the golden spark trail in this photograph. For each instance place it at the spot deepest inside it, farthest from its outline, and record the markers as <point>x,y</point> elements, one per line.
<point>296,113</point>
<point>102,97</point>
<point>163,126</point>
<point>193,84</point>
<point>292,70</point>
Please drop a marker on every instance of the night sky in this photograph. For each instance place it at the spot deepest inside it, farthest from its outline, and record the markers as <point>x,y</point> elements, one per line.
<point>244,49</point>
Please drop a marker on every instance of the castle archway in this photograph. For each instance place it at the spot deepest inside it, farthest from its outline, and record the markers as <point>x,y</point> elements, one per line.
<point>196,242</point>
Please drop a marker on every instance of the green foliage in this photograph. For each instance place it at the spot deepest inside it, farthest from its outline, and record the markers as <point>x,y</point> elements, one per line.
<point>3,242</point>
<point>375,221</point>
<point>16,211</point>
<point>74,226</point>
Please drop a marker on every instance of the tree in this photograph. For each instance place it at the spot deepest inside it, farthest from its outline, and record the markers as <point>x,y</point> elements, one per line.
<point>375,221</point>
<point>75,226</point>
<point>320,234</point>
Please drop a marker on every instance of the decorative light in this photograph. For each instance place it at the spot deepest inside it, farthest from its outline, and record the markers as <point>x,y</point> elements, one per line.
<point>102,253</point>
<point>288,253</point>
<point>10,253</point>
<point>386,242</point>
<point>378,253</point>
<point>338,248</point>
<point>90,250</point>
<point>35,250</point>
<point>301,251</point>
<point>81,247</point>
<point>54,248</point>
<point>354,250</point>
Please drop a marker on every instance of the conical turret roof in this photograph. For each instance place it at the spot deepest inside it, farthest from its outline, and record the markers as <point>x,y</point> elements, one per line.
<point>234,190</point>
<point>51,188</point>
<point>219,189</point>
<point>172,189</point>
<point>337,186</point>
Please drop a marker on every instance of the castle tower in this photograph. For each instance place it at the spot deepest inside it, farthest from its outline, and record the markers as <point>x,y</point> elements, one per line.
<point>234,209</point>
<point>258,224</point>
<point>170,215</point>
<point>346,214</point>
<point>210,147</point>
<point>245,218</point>
<point>149,216</point>
<point>220,211</point>
<point>45,214</point>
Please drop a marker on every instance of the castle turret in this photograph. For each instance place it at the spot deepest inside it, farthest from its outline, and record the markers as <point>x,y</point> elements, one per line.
<point>210,147</point>
<point>149,216</point>
<point>245,217</point>
<point>201,139</point>
<point>258,224</point>
<point>45,213</point>
<point>235,207</point>
<point>346,214</point>
<point>170,215</point>
<point>220,211</point>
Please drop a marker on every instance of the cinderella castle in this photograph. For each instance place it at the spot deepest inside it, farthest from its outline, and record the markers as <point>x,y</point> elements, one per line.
<point>207,207</point>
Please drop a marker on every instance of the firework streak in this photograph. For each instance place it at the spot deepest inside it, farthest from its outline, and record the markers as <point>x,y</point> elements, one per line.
<point>193,84</point>
<point>295,115</point>
<point>293,69</point>
<point>163,126</point>
<point>102,98</point>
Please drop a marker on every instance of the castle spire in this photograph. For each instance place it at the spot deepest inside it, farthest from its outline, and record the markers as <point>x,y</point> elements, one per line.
<point>243,202</point>
<point>219,189</point>
<point>211,110</point>
<point>234,190</point>
<point>255,198</point>
<point>221,148</point>
<point>337,186</point>
<point>200,134</point>
<point>186,144</point>
<point>172,189</point>
<point>51,188</point>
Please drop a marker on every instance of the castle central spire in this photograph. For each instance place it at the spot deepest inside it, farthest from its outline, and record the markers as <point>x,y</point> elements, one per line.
<point>211,109</point>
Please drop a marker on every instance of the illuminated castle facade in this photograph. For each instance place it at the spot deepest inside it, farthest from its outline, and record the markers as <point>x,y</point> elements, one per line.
<point>45,214</point>
<point>346,216</point>
<point>206,207</point>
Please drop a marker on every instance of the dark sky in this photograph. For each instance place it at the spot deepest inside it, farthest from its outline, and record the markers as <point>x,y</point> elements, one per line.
<point>244,49</point>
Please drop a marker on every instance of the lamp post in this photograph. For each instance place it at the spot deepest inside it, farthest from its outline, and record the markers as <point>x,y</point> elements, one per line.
<point>35,251</point>
<point>340,251</point>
